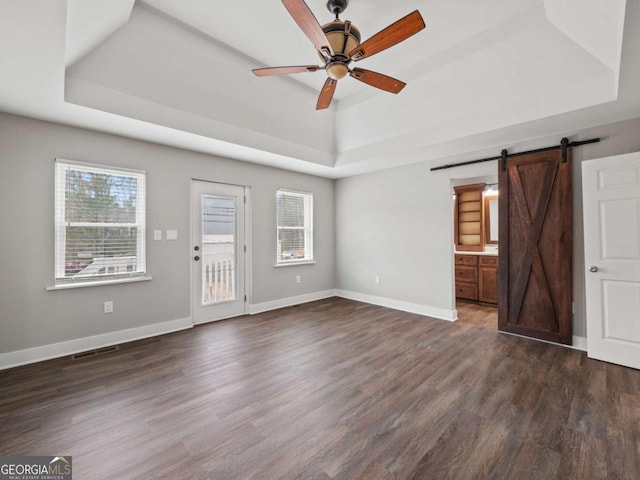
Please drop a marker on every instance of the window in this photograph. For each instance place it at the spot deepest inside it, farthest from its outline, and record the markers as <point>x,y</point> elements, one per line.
<point>99,222</point>
<point>295,227</point>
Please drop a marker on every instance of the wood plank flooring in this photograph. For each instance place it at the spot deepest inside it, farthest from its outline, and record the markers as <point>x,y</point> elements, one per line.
<point>479,314</point>
<point>333,389</point>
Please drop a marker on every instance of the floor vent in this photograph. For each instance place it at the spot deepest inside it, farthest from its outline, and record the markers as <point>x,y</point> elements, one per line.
<point>96,352</point>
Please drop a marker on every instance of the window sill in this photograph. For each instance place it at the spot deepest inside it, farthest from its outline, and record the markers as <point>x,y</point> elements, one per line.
<point>66,286</point>
<point>292,264</point>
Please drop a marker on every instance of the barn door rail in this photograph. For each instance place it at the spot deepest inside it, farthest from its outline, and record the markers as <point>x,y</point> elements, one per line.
<point>565,144</point>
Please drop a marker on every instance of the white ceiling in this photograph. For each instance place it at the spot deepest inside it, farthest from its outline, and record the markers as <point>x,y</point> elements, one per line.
<point>481,76</point>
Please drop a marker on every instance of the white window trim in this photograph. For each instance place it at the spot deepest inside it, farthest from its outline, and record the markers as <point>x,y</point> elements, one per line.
<point>97,283</point>
<point>308,228</point>
<point>293,263</point>
<point>60,283</point>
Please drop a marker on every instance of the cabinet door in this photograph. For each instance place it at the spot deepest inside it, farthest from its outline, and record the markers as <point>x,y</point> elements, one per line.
<point>466,274</point>
<point>488,284</point>
<point>488,261</point>
<point>468,291</point>
<point>471,260</point>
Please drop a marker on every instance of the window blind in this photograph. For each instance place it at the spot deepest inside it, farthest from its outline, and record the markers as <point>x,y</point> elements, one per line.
<point>99,221</point>
<point>294,225</point>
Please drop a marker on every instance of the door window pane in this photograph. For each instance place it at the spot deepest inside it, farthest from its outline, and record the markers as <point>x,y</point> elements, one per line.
<point>218,249</point>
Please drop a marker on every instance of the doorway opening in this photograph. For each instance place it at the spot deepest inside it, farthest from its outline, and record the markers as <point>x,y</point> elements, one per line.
<point>475,249</point>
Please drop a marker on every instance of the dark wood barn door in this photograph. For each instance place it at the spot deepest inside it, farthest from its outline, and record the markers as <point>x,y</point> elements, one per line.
<point>535,280</point>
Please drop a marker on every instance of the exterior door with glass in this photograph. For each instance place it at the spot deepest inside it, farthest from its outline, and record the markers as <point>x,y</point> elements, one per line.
<point>217,251</point>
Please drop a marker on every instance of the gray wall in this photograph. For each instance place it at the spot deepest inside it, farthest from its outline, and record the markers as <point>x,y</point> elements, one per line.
<point>30,316</point>
<point>397,223</point>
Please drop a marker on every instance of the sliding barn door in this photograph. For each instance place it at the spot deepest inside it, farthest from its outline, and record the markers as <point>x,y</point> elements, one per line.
<point>535,246</point>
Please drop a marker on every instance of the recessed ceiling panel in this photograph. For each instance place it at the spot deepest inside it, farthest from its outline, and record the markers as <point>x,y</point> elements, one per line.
<point>90,22</point>
<point>265,31</point>
<point>524,70</point>
<point>160,65</point>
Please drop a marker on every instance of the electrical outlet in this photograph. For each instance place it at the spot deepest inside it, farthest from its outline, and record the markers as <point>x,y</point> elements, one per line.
<point>108,306</point>
<point>157,234</point>
<point>298,279</point>
<point>377,279</point>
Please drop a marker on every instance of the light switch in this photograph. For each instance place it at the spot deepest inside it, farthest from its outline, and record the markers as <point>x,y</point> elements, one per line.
<point>157,234</point>
<point>172,234</point>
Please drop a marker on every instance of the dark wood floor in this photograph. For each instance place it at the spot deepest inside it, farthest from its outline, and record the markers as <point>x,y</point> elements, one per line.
<point>478,314</point>
<point>333,389</point>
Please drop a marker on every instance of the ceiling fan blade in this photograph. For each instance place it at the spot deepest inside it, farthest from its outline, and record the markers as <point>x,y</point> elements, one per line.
<point>264,72</point>
<point>390,36</point>
<point>378,80</point>
<point>326,95</point>
<point>308,23</point>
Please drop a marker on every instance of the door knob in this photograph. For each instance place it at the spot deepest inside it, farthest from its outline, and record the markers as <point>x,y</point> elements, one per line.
<point>593,269</point>
<point>196,248</point>
<point>196,258</point>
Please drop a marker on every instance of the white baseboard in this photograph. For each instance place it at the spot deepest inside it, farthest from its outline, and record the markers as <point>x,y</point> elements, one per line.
<point>580,343</point>
<point>441,313</point>
<point>56,350</point>
<point>290,301</point>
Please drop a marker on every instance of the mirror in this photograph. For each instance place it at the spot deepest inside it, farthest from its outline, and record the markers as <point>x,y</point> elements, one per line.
<point>491,219</point>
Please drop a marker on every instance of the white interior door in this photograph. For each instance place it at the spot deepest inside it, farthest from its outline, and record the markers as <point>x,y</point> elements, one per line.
<point>218,251</point>
<point>611,201</point>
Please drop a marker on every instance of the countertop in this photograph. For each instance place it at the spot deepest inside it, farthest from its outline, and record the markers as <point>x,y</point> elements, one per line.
<point>490,253</point>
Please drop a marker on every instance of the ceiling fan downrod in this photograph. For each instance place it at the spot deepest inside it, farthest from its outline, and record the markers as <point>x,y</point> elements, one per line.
<point>337,6</point>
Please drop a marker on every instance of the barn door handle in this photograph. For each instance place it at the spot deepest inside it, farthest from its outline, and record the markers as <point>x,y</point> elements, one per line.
<point>593,269</point>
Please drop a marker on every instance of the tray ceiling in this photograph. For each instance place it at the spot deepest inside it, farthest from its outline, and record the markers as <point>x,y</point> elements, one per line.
<point>481,75</point>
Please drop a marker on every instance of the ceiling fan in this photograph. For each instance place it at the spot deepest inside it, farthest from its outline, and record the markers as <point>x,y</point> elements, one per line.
<point>338,44</point>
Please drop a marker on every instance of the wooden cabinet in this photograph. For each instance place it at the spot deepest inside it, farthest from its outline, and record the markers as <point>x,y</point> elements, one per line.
<point>468,224</point>
<point>477,278</point>
<point>467,277</point>
<point>488,279</point>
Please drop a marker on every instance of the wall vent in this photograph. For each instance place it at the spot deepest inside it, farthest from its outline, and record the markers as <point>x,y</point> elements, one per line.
<point>96,352</point>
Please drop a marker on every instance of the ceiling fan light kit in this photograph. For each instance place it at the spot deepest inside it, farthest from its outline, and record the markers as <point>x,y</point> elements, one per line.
<point>338,44</point>
<point>343,38</point>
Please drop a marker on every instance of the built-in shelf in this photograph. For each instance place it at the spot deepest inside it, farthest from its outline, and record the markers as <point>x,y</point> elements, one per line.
<point>469,217</point>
